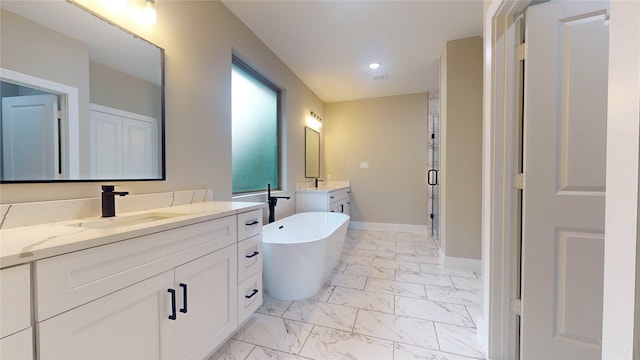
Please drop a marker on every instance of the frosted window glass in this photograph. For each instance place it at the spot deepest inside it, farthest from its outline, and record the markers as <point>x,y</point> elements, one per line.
<point>254,133</point>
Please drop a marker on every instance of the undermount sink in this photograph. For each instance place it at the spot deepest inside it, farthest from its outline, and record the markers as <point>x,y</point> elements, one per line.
<point>122,221</point>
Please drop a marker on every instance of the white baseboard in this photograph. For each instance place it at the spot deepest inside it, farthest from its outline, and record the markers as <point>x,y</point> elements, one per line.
<point>464,264</point>
<point>359,225</point>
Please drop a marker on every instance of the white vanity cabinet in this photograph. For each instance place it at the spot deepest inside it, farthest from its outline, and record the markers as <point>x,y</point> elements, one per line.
<point>16,339</point>
<point>168,295</point>
<point>336,200</point>
<point>249,263</point>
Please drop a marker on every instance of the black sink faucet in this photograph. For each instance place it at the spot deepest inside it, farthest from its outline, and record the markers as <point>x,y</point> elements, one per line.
<point>317,181</point>
<point>109,201</point>
<point>272,201</point>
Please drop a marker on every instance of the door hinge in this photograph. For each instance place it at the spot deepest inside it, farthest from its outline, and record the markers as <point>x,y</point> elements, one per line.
<point>516,307</point>
<point>517,181</point>
<point>521,51</point>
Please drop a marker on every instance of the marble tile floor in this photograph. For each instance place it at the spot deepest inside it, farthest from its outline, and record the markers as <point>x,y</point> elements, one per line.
<point>389,298</point>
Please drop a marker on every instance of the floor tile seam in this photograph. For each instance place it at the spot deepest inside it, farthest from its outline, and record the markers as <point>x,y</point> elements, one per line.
<point>347,306</point>
<point>440,350</point>
<point>324,325</point>
<point>246,342</point>
<point>435,321</point>
<point>393,342</point>
<point>396,294</point>
<point>305,342</point>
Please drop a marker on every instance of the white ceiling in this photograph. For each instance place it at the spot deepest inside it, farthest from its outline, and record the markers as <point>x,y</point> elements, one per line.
<point>329,44</point>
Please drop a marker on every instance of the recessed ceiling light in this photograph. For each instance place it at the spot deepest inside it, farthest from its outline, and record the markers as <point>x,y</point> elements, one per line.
<point>374,65</point>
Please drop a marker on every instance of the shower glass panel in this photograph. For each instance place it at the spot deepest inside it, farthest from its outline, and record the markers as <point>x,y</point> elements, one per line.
<point>433,177</point>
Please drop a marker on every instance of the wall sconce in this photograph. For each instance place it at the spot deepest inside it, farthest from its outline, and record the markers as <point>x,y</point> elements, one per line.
<point>149,13</point>
<point>314,121</point>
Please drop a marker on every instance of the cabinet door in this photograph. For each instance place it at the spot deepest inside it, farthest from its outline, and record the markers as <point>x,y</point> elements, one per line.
<point>210,285</point>
<point>139,149</point>
<point>18,346</point>
<point>15,299</point>
<point>105,145</point>
<point>122,325</point>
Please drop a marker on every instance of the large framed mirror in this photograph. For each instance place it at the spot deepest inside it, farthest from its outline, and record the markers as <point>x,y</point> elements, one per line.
<point>312,153</point>
<point>82,99</point>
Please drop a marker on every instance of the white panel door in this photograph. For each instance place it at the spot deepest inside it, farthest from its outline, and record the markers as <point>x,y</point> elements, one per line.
<point>564,194</point>
<point>106,145</point>
<point>30,137</point>
<point>209,313</point>
<point>123,325</point>
<point>139,150</point>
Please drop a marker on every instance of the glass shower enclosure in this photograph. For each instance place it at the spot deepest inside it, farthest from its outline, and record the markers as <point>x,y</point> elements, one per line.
<point>433,181</point>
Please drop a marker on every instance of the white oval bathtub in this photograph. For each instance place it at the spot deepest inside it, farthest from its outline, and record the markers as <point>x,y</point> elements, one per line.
<point>300,253</point>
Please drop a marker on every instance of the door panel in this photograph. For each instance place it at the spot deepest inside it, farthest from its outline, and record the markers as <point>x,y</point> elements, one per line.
<point>30,137</point>
<point>564,193</point>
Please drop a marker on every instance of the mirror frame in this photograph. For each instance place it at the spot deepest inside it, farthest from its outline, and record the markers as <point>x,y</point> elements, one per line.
<point>162,149</point>
<point>308,132</point>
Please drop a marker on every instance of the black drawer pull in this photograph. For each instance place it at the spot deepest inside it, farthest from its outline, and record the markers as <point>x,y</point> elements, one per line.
<point>254,222</point>
<point>173,304</point>
<point>184,296</point>
<point>252,255</point>
<point>255,291</point>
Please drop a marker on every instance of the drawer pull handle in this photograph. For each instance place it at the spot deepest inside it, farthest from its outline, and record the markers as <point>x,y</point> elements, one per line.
<point>254,222</point>
<point>173,304</point>
<point>184,296</point>
<point>333,197</point>
<point>252,255</point>
<point>255,291</point>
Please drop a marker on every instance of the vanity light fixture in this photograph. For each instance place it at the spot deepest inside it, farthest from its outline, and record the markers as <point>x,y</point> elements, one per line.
<point>374,65</point>
<point>314,121</point>
<point>149,13</point>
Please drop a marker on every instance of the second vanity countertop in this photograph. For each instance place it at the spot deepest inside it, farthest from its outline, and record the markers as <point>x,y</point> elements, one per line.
<point>328,187</point>
<point>24,244</point>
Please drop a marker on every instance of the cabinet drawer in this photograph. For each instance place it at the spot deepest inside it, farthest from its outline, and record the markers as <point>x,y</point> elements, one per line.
<point>249,257</point>
<point>338,195</point>
<point>15,299</point>
<point>66,281</point>
<point>249,296</point>
<point>340,207</point>
<point>249,224</point>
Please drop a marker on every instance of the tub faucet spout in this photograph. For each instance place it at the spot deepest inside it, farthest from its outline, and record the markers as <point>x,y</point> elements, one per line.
<point>272,201</point>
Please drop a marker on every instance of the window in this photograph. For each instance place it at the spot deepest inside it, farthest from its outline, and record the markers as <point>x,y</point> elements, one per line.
<point>255,138</point>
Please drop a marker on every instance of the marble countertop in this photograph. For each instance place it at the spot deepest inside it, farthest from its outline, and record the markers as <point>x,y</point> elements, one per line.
<point>24,244</point>
<point>325,187</point>
<point>322,188</point>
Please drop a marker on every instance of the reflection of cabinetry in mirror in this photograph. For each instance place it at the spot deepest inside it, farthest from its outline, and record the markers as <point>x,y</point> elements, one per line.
<point>123,145</point>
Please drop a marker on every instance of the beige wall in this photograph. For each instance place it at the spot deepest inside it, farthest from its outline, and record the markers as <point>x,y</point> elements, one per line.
<point>113,88</point>
<point>389,133</point>
<point>198,37</point>
<point>461,157</point>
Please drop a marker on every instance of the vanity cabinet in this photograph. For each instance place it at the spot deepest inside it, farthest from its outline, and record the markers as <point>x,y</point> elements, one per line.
<point>249,263</point>
<point>16,339</point>
<point>172,295</point>
<point>338,200</point>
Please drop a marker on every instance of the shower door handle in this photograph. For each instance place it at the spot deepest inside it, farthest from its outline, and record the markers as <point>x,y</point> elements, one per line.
<point>432,180</point>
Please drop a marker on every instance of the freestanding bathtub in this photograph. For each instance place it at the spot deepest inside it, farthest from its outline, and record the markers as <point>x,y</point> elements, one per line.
<point>300,253</point>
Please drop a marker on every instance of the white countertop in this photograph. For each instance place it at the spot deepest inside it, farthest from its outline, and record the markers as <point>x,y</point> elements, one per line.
<point>24,244</point>
<point>322,188</point>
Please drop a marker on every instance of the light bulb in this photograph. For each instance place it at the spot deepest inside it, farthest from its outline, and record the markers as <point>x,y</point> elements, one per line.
<point>149,14</point>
